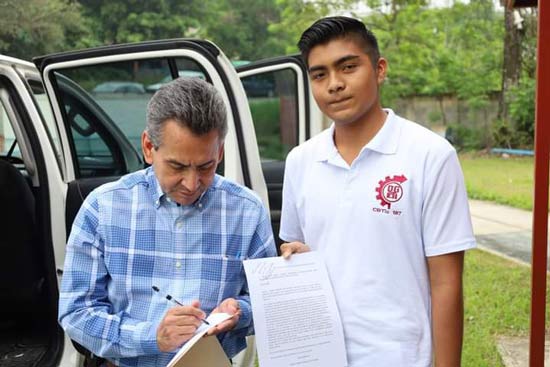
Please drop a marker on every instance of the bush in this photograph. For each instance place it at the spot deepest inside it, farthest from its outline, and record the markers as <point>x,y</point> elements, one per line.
<point>521,107</point>
<point>463,137</point>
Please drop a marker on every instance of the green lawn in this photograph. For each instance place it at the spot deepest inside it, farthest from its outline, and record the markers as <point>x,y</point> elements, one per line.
<point>497,295</point>
<point>497,292</point>
<point>505,181</point>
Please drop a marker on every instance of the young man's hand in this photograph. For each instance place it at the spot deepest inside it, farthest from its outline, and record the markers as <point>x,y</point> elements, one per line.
<point>178,326</point>
<point>230,306</point>
<point>289,248</point>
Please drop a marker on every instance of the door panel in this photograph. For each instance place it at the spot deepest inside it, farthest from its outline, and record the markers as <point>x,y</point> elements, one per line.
<point>278,94</point>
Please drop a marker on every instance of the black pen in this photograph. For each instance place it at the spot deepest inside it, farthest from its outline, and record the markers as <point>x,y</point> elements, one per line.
<point>170,298</point>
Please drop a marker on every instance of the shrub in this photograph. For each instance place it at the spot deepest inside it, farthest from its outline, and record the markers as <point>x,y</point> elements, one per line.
<point>463,137</point>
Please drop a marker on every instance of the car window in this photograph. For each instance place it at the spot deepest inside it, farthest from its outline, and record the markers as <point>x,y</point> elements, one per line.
<point>273,104</point>
<point>105,109</point>
<point>8,144</point>
<point>186,68</point>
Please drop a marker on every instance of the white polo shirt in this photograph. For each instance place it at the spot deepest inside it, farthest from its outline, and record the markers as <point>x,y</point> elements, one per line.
<point>375,222</point>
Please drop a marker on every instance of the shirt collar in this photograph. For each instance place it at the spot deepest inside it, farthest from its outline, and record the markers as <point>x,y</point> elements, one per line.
<point>154,185</point>
<point>385,141</point>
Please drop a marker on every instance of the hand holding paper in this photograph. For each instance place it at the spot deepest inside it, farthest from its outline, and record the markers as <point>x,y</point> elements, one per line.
<point>295,314</point>
<point>229,306</point>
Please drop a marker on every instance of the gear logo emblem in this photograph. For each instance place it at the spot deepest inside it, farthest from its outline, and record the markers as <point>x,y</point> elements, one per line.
<point>390,190</point>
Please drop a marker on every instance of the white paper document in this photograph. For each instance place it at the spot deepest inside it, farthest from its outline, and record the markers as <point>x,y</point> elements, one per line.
<point>296,319</point>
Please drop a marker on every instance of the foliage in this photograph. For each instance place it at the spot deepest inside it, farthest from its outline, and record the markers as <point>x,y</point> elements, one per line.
<point>34,27</point>
<point>505,181</point>
<point>298,15</point>
<point>518,130</point>
<point>266,116</point>
<point>522,110</point>
<point>240,28</point>
<point>125,21</point>
<point>435,51</point>
<point>463,137</point>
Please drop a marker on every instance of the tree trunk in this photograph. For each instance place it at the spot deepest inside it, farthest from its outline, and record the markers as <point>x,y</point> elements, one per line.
<point>511,66</point>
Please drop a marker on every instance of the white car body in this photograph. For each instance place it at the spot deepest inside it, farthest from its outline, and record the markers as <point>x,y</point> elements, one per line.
<point>48,159</point>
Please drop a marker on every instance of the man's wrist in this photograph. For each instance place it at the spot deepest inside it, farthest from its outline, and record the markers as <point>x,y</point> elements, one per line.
<point>245,316</point>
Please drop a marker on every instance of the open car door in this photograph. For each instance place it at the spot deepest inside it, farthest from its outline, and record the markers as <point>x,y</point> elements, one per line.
<point>284,115</point>
<point>99,98</point>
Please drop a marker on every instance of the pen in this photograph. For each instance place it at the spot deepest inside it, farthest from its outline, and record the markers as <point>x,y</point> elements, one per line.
<point>170,298</point>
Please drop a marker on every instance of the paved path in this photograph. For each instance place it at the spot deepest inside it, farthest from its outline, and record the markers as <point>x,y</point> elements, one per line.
<point>506,232</point>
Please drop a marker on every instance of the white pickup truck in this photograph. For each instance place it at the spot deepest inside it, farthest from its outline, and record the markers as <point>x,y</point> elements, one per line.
<point>72,121</point>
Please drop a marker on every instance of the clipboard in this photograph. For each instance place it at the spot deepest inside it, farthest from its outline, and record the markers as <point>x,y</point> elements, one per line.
<point>202,350</point>
<point>207,352</point>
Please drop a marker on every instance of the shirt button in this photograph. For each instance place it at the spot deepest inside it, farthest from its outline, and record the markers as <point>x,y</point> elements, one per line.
<point>179,224</point>
<point>178,264</point>
<point>200,205</point>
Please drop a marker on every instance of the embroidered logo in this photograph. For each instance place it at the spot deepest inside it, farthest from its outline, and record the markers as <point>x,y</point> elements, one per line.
<point>390,190</point>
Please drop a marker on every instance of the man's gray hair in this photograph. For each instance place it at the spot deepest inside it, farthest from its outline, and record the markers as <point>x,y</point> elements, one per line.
<point>192,102</point>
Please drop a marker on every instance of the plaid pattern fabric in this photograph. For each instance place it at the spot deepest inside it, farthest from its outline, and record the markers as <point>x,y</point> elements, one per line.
<point>129,236</point>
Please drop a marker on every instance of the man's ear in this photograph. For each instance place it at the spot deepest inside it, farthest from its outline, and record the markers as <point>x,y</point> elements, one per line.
<point>381,69</point>
<point>147,147</point>
<point>221,151</point>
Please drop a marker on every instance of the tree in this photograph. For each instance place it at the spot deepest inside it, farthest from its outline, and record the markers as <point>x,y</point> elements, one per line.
<point>298,15</point>
<point>240,28</point>
<point>439,51</point>
<point>35,27</point>
<point>124,21</point>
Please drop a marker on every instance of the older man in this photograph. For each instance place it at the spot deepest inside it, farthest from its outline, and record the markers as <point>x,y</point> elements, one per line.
<point>176,226</point>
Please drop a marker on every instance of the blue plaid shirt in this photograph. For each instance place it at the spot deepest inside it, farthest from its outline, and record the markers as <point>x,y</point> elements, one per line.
<point>129,236</point>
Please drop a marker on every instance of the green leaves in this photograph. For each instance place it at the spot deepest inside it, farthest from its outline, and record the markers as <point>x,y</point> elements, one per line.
<point>434,51</point>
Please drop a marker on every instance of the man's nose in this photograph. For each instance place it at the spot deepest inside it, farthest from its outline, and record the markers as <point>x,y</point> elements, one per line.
<point>336,84</point>
<point>191,180</point>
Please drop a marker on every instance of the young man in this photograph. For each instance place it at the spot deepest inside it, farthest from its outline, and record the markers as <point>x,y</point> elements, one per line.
<point>176,226</point>
<point>383,200</point>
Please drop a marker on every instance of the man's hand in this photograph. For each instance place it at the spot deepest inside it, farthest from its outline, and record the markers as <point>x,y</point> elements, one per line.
<point>290,248</point>
<point>178,326</point>
<point>229,306</point>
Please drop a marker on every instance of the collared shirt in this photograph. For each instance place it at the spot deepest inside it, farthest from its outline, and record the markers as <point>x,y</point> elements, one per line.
<point>375,221</point>
<point>128,236</point>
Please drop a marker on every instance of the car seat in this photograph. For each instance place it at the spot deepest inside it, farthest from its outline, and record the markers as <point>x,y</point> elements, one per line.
<point>21,275</point>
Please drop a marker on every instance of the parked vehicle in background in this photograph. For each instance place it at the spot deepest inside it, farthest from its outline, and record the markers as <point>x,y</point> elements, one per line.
<point>181,73</point>
<point>119,87</point>
<point>60,138</point>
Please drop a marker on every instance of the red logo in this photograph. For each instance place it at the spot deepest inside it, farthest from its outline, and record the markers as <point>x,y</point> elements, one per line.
<point>390,190</point>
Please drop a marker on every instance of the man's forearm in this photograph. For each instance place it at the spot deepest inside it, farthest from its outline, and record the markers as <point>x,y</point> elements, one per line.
<point>447,307</point>
<point>447,318</point>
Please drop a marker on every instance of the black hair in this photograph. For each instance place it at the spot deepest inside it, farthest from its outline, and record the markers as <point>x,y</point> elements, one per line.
<point>327,29</point>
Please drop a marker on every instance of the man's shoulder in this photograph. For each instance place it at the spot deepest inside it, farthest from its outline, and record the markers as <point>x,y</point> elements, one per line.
<point>235,191</point>
<point>420,136</point>
<point>313,148</point>
<point>124,184</point>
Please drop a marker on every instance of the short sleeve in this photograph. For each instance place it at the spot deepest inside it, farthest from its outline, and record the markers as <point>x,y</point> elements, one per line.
<point>290,222</point>
<point>446,222</point>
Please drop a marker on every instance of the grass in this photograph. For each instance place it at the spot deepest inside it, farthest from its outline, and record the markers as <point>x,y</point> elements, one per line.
<point>497,292</point>
<point>497,295</point>
<point>505,181</point>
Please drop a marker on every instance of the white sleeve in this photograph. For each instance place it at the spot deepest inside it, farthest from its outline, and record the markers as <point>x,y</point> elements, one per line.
<point>446,222</point>
<point>290,221</point>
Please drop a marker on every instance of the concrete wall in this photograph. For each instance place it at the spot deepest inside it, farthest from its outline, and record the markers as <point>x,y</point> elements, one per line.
<point>436,114</point>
